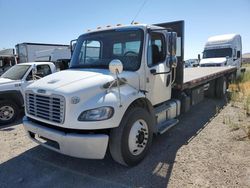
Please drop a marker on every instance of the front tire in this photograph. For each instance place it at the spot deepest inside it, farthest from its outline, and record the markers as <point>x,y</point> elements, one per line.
<point>8,112</point>
<point>130,142</point>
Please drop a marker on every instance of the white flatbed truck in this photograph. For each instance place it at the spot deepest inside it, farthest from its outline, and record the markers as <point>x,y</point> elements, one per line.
<point>125,84</point>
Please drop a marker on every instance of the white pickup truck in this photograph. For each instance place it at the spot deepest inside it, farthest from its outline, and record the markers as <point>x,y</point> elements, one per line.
<point>124,84</point>
<point>13,83</point>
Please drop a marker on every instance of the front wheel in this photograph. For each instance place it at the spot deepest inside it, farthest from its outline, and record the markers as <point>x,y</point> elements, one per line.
<point>8,112</point>
<point>130,142</point>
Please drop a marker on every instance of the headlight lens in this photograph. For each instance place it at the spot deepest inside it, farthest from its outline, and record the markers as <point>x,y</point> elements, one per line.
<point>97,114</point>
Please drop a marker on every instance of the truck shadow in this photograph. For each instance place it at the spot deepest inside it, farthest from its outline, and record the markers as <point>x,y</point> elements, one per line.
<point>39,167</point>
<point>9,127</point>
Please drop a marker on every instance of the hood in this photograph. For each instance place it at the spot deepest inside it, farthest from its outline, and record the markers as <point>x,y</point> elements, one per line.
<point>74,80</point>
<point>8,84</point>
<point>6,81</point>
<point>219,60</point>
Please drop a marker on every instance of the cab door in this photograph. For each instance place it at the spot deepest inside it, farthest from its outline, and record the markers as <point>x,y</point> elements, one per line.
<point>158,74</point>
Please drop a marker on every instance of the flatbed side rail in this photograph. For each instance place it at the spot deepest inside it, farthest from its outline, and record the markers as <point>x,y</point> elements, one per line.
<point>206,78</point>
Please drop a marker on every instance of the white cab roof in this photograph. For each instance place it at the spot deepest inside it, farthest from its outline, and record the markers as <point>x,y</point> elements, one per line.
<point>222,38</point>
<point>142,26</point>
<point>37,63</point>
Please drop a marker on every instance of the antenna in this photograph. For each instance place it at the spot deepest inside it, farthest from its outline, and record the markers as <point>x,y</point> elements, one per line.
<point>139,11</point>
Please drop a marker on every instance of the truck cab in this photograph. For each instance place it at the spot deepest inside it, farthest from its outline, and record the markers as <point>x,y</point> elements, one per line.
<point>90,97</point>
<point>13,83</point>
<point>223,50</point>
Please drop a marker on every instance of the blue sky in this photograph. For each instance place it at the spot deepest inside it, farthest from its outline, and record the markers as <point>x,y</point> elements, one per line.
<point>59,21</point>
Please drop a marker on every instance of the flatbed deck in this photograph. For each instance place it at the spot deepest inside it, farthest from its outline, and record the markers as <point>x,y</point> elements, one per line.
<point>200,75</point>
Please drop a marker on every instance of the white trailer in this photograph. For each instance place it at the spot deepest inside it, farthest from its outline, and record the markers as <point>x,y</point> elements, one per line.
<point>223,50</point>
<point>26,52</point>
<point>59,56</point>
<point>117,96</point>
<point>53,55</point>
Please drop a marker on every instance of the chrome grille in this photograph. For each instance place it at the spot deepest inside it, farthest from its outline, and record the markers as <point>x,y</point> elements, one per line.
<point>50,107</point>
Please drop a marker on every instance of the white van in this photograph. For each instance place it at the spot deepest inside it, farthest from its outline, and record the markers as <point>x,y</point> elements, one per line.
<point>223,50</point>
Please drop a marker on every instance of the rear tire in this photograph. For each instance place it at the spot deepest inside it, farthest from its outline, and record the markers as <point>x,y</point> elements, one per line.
<point>221,87</point>
<point>233,78</point>
<point>210,93</point>
<point>8,112</point>
<point>130,142</point>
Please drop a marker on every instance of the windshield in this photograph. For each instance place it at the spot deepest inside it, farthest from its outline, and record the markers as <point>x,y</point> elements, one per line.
<point>96,50</point>
<point>223,52</point>
<point>16,72</point>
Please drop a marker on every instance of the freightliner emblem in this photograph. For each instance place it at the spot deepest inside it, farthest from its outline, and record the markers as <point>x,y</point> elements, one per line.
<point>41,91</point>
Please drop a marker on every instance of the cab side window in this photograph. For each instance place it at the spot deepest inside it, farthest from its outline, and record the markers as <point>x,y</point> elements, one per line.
<point>42,71</point>
<point>156,49</point>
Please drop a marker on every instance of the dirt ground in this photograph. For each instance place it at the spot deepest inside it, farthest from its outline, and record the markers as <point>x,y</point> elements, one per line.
<point>203,150</point>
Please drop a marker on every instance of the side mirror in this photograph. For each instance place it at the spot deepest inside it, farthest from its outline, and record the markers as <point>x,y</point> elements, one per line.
<point>238,54</point>
<point>172,43</point>
<point>199,58</point>
<point>72,45</point>
<point>116,67</point>
<point>234,53</point>
<point>1,63</point>
<point>34,71</point>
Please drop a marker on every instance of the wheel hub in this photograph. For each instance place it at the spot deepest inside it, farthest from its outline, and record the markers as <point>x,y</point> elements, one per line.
<point>224,87</point>
<point>138,137</point>
<point>6,113</point>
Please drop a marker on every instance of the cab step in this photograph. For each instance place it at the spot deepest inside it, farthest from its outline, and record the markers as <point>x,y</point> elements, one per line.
<point>166,125</point>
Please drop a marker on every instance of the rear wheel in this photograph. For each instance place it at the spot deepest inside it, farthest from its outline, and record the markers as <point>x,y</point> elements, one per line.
<point>130,142</point>
<point>221,87</point>
<point>8,112</point>
<point>211,90</point>
<point>233,78</point>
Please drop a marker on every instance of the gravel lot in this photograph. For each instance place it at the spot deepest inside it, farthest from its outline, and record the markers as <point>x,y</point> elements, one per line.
<point>200,151</point>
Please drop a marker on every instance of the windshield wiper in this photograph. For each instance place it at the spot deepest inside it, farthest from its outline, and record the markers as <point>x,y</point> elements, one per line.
<point>90,66</point>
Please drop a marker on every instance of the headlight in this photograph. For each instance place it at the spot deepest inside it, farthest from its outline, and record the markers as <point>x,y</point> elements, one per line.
<point>96,114</point>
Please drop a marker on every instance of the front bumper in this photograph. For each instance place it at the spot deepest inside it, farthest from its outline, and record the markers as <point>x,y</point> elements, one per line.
<point>89,146</point>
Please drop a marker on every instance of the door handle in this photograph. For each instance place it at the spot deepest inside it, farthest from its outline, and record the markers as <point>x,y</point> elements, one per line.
<point>152,71</point>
